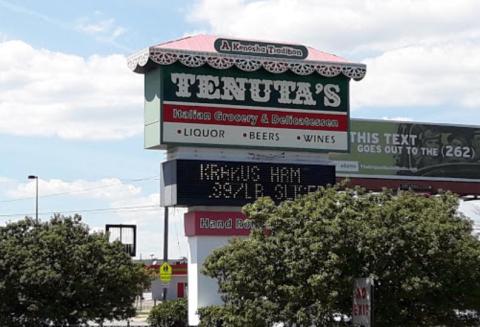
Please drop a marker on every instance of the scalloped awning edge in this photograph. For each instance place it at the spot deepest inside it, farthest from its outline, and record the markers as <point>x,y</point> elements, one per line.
<point>139,61</point>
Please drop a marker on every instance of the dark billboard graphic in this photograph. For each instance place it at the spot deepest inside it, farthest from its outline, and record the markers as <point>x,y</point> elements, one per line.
<point>416,150</point>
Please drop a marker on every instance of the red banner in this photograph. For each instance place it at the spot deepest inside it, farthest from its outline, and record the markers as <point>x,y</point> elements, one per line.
<point>231,116</point>
<point>212,223</point>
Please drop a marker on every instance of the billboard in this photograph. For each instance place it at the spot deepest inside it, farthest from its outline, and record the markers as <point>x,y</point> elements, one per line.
<point>203,106</point>
<point>231,183</point>
<point>412,152</point>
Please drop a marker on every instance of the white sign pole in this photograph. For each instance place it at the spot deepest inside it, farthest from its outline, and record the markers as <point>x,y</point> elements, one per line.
<point>362,302</point>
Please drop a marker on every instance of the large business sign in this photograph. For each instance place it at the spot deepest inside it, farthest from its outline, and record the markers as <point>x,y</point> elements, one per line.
<point>233,108</point>
<point>414,150</point>
<point>228,183</point>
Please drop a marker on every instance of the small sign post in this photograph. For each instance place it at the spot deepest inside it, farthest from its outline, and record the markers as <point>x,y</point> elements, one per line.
<point>125,234</point>
<point>165,273</point>
<point>362,302</point>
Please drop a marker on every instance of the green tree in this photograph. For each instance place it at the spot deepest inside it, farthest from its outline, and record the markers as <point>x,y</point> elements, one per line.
<point>59,273</point>
<point>419,250</point>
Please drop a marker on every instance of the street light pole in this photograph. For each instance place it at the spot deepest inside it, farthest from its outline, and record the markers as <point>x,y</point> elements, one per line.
<point>36,196</point>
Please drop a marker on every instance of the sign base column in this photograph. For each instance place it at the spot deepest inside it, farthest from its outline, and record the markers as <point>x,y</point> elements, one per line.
<point>206,231</point>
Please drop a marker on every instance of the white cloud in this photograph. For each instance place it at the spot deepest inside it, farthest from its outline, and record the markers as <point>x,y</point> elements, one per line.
<point>419,53</point>
<point>145,211</point>
<point>446,74</point>
<point>111,189</point>
<point>55,94</point>
<point>342,25</point>
<point>104,28</point>
<point>145,201</point>
<point>6,184</point>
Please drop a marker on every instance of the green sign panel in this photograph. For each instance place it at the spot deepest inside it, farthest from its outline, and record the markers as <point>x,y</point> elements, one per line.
<point>259,89</point>
<point>203,106</point>
<point>413,150</point>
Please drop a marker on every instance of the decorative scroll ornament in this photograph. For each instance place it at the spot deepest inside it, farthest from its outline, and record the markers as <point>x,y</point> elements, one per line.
<point>220,62</point>
<point>248,65</point>
<point>192,60</point>
<point>139,59</point>
<point>328,70</point>
<point>302,69</point>
<point>276,67</point>
<point>162,56</point>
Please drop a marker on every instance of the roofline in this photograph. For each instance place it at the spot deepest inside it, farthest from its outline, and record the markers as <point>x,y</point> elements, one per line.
<point>141,62</point>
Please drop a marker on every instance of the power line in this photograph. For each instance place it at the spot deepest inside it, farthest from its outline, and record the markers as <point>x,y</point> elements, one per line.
<point>96,210</point>
<point>83,190</point>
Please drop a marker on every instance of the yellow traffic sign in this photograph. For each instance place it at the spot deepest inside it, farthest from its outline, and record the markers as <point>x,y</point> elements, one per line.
<point>165,273</point>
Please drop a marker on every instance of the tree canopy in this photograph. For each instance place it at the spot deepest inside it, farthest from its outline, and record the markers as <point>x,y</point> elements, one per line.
<point>60,273</point>
<point>299,263</point>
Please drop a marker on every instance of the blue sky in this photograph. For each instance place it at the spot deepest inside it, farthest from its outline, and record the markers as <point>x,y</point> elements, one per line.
<point>71,112</point>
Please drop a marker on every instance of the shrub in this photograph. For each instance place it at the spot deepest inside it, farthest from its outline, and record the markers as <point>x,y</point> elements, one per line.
<point>212,316</point>
<point>169,314</point>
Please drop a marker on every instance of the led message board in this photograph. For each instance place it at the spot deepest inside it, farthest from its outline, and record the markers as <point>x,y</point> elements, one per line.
<point>206,182</point>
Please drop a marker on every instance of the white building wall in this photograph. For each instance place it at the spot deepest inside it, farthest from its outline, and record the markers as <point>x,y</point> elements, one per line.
<point>157,288</point>
<point>202,290</point>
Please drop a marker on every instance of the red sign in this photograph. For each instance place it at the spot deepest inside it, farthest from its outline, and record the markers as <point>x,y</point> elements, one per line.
<point>212,223</point>
<point>193,123</point>
<point>221,115</point>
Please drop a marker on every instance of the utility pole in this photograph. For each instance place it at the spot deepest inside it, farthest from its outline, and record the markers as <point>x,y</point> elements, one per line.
<point>165,246</point>
<point>36,196</point>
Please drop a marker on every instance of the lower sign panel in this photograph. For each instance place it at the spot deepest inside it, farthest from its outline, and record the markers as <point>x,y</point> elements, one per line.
<point>227,183</point>
<point>213,223</point>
